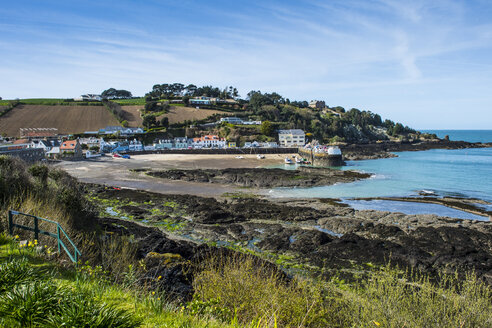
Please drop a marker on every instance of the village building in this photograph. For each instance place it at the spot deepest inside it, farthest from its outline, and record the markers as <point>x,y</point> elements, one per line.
<point>71,147</point>
<point>231,120</point>
<point>317,104</point>
<point>291,138</point>
<point>164,144</point>
<point>200,101</point>
<point>209,141</point>
<point>46,145</point>
<point>121,131</point>
<point>135,145</point>
<point>38,132</point>
<point>88,97</point>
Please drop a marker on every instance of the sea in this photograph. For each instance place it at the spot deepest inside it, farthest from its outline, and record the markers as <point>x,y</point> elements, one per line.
<point>459,173</point>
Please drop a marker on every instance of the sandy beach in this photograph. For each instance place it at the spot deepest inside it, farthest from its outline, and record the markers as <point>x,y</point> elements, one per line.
<point>118,172</point>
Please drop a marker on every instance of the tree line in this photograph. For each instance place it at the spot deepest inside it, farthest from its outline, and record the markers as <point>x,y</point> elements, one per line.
<point>176,90</point>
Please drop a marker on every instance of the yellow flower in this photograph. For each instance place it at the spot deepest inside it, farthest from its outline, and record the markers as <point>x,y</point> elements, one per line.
<point>16,237</point>
<point>153,293</point>
<point>376,323</point>
<point>158,298</point>
<point>159,278</point>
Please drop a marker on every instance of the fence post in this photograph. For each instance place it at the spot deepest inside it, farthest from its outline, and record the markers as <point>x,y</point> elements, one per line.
<point>11,222</point>
<point>36,228</point>
<point>58,237</point>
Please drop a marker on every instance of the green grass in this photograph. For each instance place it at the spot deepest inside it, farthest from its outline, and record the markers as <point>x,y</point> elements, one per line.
<point>58,102</point>
<point>130,102</point>
<point>58,297</point>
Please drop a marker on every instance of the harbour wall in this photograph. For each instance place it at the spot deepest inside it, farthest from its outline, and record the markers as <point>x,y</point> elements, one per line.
<point>321,159</point>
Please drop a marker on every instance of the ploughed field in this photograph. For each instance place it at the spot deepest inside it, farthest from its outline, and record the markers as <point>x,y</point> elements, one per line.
<point>178,114</point>
<point>67,119</point>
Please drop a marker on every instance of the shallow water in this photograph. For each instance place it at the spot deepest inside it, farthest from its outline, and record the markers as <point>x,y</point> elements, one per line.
<point>411,208</point>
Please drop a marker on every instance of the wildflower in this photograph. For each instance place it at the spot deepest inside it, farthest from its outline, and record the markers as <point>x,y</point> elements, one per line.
<point>16,237</point>
<point>35,241</point>
<point>159,278</point>
<point>153,293</point>
<point>158,298</point>
<point>376,323</point>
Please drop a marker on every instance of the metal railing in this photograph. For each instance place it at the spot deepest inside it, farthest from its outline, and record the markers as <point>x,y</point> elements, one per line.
<point>58,236</point>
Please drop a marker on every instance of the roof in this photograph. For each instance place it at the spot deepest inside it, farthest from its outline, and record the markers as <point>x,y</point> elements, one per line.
<point>69,144</point>
<point>293,131</point>
<point>20,141</point>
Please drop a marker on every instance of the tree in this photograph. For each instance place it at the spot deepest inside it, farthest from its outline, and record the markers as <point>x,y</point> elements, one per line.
<point>149,121</point>
<point>165,122</point>
<point>112,93</point>
<point>191,90</point>
<point>266,128</point>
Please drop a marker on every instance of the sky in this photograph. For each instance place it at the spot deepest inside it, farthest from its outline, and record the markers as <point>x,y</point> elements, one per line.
<point>427,64</point>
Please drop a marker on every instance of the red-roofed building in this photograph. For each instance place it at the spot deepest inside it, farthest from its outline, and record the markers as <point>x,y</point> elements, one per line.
<point>71,146</point>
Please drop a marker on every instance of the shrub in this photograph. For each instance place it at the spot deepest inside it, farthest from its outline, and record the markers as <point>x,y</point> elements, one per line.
<point>411,300</point>
<point>254,290</point>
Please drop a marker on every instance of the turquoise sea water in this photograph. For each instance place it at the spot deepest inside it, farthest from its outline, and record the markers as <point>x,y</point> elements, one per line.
<point>461,173</point>
<point>464,135</point>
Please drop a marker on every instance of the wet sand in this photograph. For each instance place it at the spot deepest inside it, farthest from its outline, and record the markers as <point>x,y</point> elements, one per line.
<point>117,172</point>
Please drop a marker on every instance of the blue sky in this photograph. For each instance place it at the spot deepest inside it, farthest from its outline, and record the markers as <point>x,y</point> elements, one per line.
<point>427,64</point>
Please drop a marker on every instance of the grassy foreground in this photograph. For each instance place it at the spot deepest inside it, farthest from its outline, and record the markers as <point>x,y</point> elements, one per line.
<point>36,292</point>
<point>232,292</point>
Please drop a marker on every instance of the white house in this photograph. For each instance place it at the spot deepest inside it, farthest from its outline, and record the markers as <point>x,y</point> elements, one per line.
<point>291,138</point>
<point>46,145</point>
<point>88,97</point>
<point>209,141</point>
<point>135,145</point>
<point>231,120</point>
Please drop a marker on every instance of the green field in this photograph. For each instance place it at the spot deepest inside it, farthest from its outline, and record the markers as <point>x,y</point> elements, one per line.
<point>57,102</point>
<point>130,102</point>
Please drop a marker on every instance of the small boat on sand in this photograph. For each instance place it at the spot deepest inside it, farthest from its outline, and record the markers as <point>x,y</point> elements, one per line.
<point>288,161</point>
<point>260,156</point>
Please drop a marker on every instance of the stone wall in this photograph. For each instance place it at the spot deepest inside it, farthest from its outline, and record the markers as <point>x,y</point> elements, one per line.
<point>30,155</point>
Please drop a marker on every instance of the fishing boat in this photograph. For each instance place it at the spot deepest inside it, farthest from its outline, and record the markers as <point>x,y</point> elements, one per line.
<point>239,157</point>
<point>288,161</point>
<point>260,156</point>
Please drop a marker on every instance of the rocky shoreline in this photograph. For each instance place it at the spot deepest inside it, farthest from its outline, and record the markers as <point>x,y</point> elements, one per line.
<point>314,236</point>
<point>263,178</point>
<point>384,149</point>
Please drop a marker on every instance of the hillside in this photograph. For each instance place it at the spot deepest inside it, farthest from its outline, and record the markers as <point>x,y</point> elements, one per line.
<point>67,119</point>
<point>132,115</point>
<point>178,114</point>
